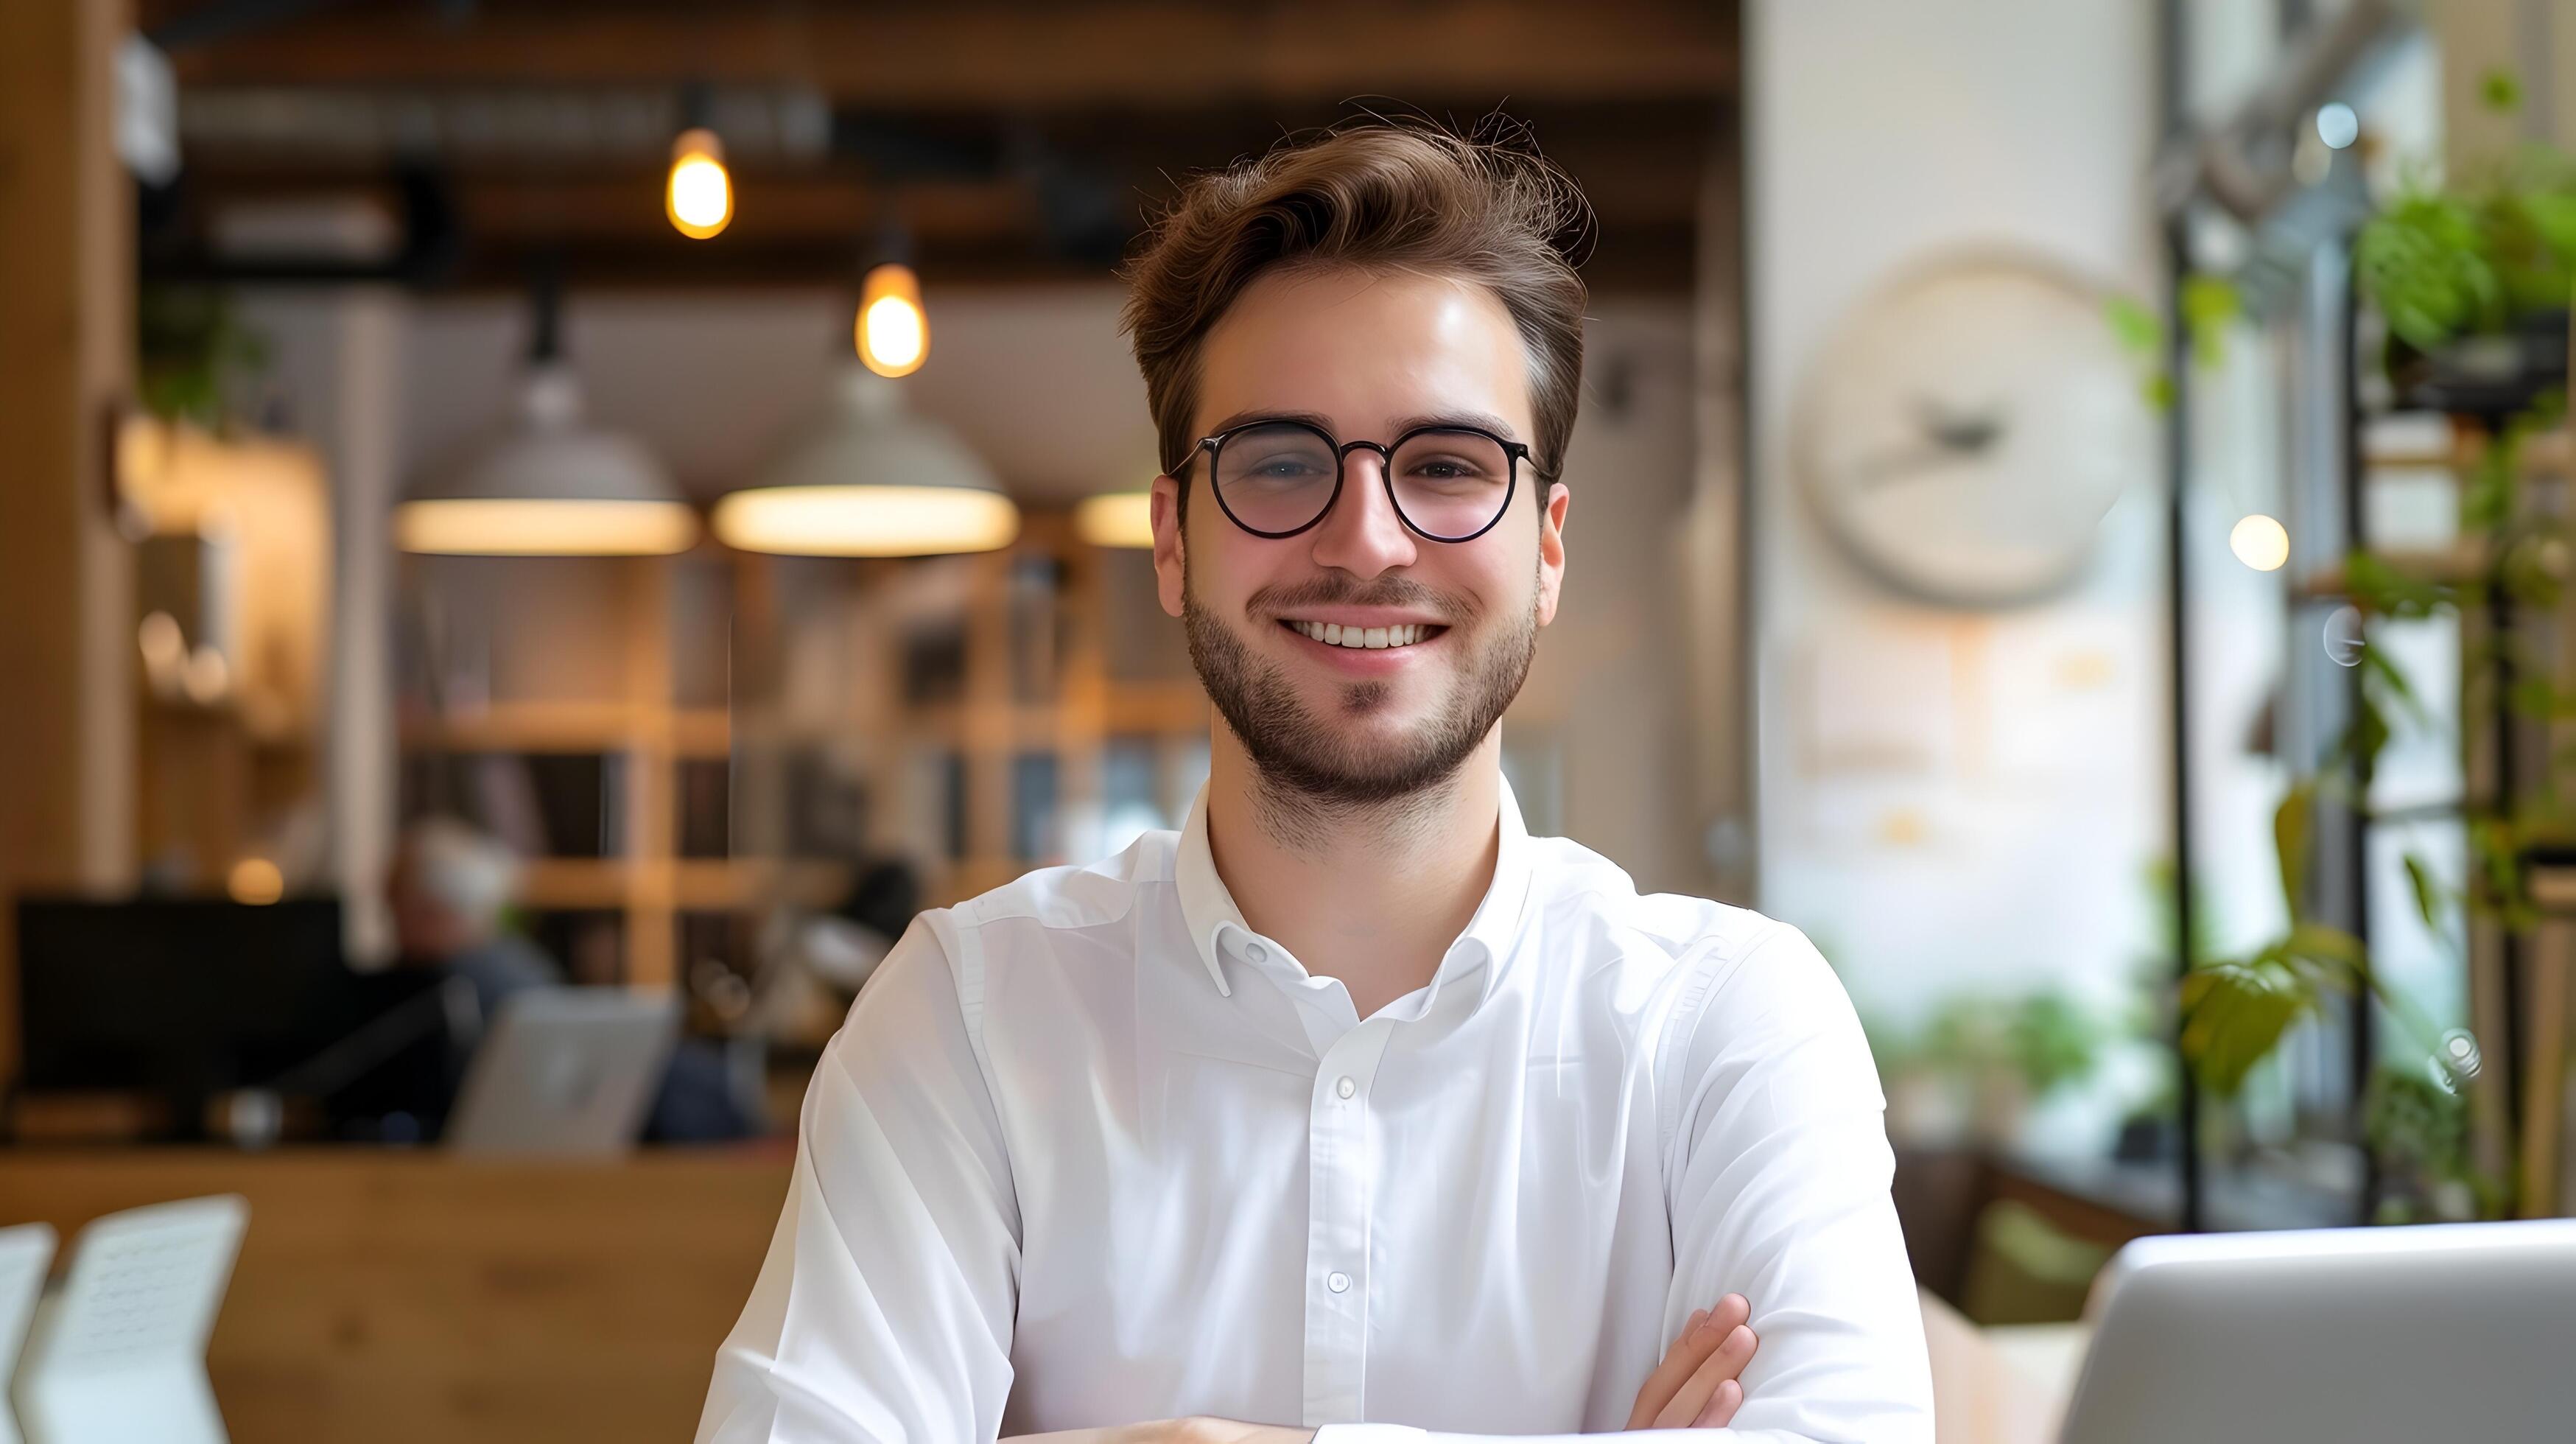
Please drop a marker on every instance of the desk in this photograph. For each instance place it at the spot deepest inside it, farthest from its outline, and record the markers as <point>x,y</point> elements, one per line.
<point>394,1297</point>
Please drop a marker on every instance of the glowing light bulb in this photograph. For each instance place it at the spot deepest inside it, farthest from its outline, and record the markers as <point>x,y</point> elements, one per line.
<point>893,330</point>
<point>2260,542</point>
<point>256,881</point>
<point>699,196</point>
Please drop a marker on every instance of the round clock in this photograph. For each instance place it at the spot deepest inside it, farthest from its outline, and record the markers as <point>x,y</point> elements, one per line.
<point>1965,432</point>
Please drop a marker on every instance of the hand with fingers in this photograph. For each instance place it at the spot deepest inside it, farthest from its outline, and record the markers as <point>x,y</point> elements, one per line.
<point>1698,1385</point>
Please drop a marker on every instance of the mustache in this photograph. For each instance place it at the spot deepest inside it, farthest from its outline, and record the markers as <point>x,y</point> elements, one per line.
<point>1334,590</point>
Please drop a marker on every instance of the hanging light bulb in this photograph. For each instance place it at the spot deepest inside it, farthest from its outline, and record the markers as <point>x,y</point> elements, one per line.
<point>893,331</point>
<point>699,194</point>
<point>2260,542</point>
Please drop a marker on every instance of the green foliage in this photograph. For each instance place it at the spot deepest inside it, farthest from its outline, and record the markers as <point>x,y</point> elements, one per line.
<point>189,345</point>
<point>2042,1039</point>
<point>2476,257</point>
<point>2209,304</point>
<point>2501,91</point>
<point>2235,1014</point>
<point>2481,256</point>
<point>2424,263</point>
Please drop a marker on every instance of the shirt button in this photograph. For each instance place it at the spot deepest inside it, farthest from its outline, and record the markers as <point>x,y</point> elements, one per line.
<point>1346,1087</point>
<point>1257,953</point>
<point>1338,1281</point>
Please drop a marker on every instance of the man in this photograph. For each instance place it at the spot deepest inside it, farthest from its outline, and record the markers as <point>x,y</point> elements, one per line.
<point>449,886</point>
<point>447,889</point>
<point>1351,1101</point>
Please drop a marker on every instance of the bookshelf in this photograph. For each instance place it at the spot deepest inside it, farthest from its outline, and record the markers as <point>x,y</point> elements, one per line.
<point>711,736</point>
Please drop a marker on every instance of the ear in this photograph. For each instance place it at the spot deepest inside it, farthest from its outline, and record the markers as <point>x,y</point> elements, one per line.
<point>1164,508</point>
<point>1551,550</point>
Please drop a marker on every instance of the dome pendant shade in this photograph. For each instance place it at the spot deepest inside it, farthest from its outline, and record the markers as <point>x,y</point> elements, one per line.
<point>869,477</point>
<point>550,486</point>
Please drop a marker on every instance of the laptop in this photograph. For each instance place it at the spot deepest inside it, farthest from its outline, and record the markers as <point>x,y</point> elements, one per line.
<point>2334,1336</point>
<point>565,1072</point>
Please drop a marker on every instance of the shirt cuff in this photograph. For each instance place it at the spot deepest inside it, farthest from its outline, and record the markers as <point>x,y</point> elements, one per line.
<point>1368,1434</point>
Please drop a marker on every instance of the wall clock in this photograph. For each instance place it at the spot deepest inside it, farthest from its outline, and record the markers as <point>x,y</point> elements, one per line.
<point>1966,430</point>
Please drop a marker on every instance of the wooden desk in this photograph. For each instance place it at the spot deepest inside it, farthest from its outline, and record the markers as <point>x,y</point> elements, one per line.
<point>405,1298</point>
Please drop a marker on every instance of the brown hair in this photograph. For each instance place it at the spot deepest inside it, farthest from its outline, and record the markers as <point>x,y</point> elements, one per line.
<point>1484,208</point>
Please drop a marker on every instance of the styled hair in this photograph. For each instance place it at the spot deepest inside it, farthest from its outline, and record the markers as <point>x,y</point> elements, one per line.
<point>1483,208</point>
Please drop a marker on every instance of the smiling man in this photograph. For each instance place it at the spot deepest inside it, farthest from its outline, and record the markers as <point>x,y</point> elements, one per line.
<point>1351,1110</point>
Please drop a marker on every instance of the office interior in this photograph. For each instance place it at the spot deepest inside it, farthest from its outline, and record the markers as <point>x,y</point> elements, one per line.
<point>467,892</point>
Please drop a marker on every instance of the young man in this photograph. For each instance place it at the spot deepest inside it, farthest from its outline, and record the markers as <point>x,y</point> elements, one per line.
<point>1351,1101</point>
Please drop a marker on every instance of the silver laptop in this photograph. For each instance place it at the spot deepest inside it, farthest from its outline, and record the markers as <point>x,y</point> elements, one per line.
<point>569,1072</point>
<point>2336,1336</point>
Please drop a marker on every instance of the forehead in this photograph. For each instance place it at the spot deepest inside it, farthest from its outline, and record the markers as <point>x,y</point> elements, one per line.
<point>1364,348</point>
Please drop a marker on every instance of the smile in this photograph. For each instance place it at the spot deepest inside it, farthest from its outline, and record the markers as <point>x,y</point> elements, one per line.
<point>1334,634</point>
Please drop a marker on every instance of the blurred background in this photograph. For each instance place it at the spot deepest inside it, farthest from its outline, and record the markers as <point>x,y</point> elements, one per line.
<point>537,534</point>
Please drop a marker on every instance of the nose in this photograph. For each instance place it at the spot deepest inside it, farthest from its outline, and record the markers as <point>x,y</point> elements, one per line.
<point>1362,534</point>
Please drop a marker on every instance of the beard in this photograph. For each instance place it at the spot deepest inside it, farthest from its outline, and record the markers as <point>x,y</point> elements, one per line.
<point>1327,760</point>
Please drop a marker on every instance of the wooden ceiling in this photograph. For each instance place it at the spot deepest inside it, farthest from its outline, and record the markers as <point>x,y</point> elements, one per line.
<point>1009,141</point>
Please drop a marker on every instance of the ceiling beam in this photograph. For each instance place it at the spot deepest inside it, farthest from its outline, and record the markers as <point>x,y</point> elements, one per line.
<point>1142,55</point>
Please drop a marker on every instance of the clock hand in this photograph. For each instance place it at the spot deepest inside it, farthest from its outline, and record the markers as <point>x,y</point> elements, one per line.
<point>1971,431</point>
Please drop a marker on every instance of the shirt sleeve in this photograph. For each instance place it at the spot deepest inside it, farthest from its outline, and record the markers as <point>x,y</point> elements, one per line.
<point>884,1309</point>
<point>1777,1180</point>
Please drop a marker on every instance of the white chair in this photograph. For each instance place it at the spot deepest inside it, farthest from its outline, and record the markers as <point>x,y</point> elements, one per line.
<point>26,1252</point>
<point>118,1356</point>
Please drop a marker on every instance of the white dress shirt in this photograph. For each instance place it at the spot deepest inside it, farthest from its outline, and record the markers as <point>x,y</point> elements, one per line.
<point>1090,1150</point>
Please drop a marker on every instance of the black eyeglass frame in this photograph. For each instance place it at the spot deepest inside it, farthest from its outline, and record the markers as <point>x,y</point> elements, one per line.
<point>1516,451</point>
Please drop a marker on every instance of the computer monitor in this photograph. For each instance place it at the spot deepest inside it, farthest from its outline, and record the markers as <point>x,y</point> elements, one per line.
<point>185,998</point>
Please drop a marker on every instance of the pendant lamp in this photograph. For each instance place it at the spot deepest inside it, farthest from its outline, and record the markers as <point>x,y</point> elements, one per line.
<point>868,476</point>
<point>549,484</point>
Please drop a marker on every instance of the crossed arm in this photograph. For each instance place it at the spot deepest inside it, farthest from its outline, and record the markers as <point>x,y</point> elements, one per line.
<point>885,1308</point>
<point>1697,1386</point>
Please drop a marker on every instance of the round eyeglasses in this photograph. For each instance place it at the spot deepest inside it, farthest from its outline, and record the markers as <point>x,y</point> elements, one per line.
<point>1278,478</point>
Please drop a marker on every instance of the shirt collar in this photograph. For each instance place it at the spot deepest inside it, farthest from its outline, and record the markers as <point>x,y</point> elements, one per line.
<point>1208,910</point>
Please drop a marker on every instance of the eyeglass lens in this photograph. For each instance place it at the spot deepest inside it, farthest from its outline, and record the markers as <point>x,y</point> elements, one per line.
<point>1447,484</point>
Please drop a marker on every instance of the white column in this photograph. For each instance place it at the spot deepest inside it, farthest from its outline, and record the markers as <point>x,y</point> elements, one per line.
<point>366,464</point>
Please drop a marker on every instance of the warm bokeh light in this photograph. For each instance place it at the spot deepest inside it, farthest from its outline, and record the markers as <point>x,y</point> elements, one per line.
<point>490,526</point>
<point>256,881</point>
<point>1116,519</point>
<point>862,520</point>
<point>2259,542</point>
<point>893,331</point>
<point>699,195</point>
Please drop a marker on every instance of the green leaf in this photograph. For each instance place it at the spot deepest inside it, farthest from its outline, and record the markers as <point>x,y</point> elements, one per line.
<point>2500,90</point>
<point>2210,304</point>
<point>2428,893</point>
<point>2375,663</point>
<point>2318,942</point>
<point>2428,265</point>
<point>2235,1013</point>
<point>2135,326</point>
<point>2290,838</point>
<point>2382,589</point>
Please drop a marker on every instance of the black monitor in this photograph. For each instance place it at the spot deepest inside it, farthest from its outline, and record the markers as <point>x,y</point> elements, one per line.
<point>184,998</point>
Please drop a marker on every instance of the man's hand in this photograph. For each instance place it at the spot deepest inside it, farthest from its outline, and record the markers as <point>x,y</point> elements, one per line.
<point>1696,1387</point>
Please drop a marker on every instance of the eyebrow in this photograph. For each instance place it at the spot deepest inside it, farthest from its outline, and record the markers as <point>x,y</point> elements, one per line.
<point>1479,420</point>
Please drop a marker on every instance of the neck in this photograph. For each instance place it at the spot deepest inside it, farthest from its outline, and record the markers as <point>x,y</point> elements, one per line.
<point>1370,894</point>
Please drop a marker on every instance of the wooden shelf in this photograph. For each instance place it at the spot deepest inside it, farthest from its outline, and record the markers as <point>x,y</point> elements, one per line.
<point>678,884</point>
<point>2449,566</point>
<point>560,727</point>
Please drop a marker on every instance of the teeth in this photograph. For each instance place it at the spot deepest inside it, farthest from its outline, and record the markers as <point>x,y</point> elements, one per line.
<point>1334,634</point>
